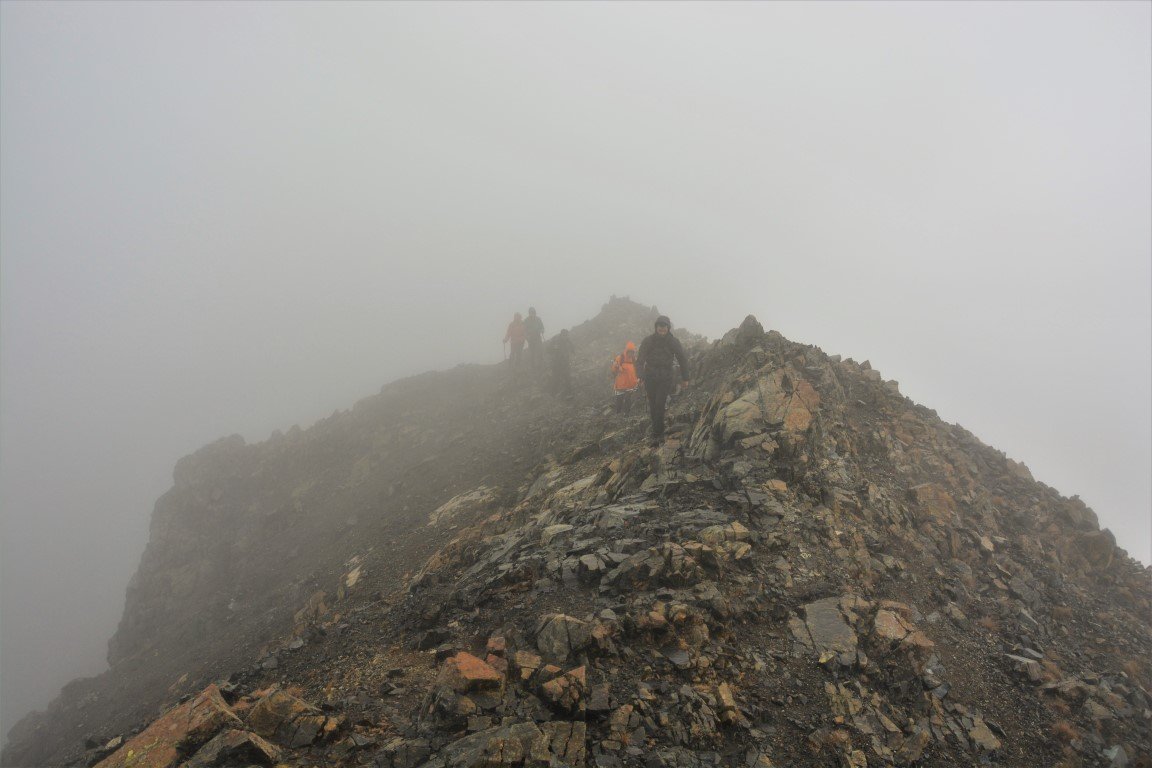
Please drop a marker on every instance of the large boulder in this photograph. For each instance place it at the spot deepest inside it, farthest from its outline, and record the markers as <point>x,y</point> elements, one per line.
<point>559,635</point>
<point>778,401</point>
<point>234,747</point>
<point>825,632</point>
<point>181,731</point>
<point>465,672</point>
<point>290,721</point>
<point>509,745</point>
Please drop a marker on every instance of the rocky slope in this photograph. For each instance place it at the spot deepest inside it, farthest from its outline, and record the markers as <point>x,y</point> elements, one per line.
<point>464,571</point>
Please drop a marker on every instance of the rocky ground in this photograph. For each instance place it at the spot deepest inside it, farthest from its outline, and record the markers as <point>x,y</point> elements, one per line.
<point>811,571</point>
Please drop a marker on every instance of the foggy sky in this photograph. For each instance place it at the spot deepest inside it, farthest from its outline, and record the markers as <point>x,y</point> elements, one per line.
<point>220,218</point>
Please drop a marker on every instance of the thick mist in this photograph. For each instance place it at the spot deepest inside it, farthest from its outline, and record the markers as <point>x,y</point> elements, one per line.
<point>232,218</point>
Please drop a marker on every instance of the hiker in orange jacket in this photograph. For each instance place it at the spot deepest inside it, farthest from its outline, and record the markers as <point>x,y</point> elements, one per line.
<point>624,366</point>
<point>516,334</point>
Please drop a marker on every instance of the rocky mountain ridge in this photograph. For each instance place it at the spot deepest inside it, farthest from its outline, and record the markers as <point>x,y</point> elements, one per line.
<point>464,571</point>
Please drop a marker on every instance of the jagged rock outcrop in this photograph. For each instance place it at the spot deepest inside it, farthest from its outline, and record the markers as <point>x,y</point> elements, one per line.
<point>812,570</point>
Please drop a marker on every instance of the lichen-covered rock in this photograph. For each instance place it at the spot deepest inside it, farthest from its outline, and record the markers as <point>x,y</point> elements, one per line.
<point>289,721</point>
<point>521,744</point>
<point>235,747</point>
<point>558,636</point>
<point>824,631</point>
<point>179,732</point>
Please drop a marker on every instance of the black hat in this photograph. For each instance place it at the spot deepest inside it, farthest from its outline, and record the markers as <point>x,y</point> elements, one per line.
<point>663,320</point>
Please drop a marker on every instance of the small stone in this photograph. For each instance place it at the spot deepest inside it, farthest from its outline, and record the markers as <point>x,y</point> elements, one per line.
<point>566,741</point>
<point>1029,668</point>
<point>619,729</point>
<point>889,626</point>
<point>566,692</point>
<point>600,699</point>
<point>498,663</point>
<point>1096,710</point>
<point>678,656</point>
<point>527,663</point>
<point>1117,757</point>
<point>913,747</point>
<point>829,633</point>
<point>983,737</point>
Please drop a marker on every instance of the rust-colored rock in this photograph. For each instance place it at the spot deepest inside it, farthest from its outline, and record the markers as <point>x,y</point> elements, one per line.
<point>180,731</point>
<point>567,691</point>
<point>889,626</point>
<point>464,672</point>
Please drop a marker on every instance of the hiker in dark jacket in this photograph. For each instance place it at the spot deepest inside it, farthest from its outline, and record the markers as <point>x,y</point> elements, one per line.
<point>516,336</point>
<point>534,328</point>
<point>654,368</point>
<point>561,348</point>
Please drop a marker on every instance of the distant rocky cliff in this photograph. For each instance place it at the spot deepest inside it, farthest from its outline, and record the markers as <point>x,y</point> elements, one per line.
<point>464,570</point>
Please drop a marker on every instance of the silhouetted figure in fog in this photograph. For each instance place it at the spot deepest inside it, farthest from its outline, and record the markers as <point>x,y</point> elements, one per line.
<point>654,367</point>
<point>515,335</point>
<point>534,328</point>
<point>624,368</point>
<point>561,350</point>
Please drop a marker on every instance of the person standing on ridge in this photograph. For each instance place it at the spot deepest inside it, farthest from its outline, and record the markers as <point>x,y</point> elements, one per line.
<point>515,335</point>
<point>561,349</point>
<point>624,367</point>
<point>534,327</point>
<point>654,368</point>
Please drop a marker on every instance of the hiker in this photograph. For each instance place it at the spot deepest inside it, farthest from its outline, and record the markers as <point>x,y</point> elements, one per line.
<point>624,367</point>
<point>516,336</point>
<point>534,327</point>
<point>654,368</point>
<point>561,349</point>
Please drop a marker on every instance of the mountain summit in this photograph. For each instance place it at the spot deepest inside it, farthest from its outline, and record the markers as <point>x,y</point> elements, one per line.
<point>465,571</point>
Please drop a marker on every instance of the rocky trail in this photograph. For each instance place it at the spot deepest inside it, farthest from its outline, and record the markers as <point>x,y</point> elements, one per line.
<point>463,571</point>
